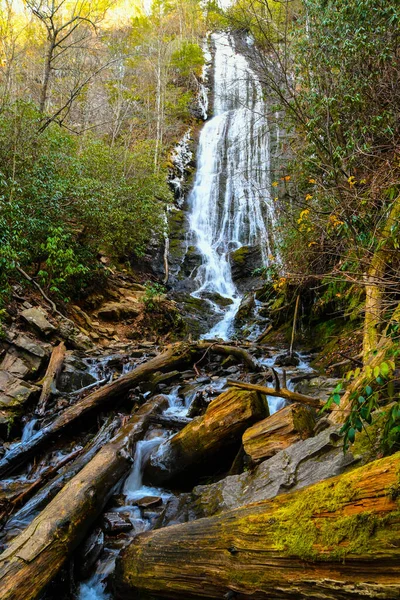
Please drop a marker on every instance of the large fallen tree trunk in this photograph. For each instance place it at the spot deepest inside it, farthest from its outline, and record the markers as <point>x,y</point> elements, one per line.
<point>51,376</point>
<point>35,556</point>
<point>203,442</point>
<point>336,540</point>
<point>281,393</point>
<point>174,356</point>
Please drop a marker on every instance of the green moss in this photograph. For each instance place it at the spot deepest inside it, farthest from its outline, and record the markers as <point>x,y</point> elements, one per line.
<point>368,441</point>
<point>239,256</point>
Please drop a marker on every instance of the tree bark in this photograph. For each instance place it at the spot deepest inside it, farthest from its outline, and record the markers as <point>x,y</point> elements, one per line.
<point>281,393</point>
<point>36,555</point>
<point>51,376</point>
<point>282,429</point>
<point>374,283</point>
<point>198,448</point>
<point>336,540</point>
<point>175,356</point>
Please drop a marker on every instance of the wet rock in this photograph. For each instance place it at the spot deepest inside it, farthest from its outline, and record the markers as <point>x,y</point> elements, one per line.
<point>285,360</point>
<point>115,523</point>
<point>149,502</point>
<point>244,261</point>
<point>217,299</point>
<point>90,552</point>
<point>199,404</point>
<point>75,375</point>
<point>37,318</point>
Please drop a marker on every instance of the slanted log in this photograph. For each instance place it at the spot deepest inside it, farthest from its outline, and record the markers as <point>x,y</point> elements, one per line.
<point>176,355</point>
<point>201,443</point>
<point>51,376</point>
<point>279,431</point>
<point>336,540</point>
<point>65,474</point>
<point>35,556</point>
<point>281,393</point>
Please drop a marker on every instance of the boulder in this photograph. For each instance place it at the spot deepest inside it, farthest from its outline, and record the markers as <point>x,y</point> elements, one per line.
<point>279,431</point>
<point>244,261</point>
<point>246,309</point>
<point>73,336</point>
<point>14,394</point>
<point>37,318</point>
<point>116,311</point>
<point>203,444</point>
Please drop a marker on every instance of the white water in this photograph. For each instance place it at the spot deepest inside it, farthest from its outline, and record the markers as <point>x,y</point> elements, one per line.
<point>231,203</point>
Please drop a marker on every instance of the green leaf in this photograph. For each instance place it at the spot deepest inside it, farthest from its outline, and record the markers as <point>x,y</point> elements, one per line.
<point>376,371</point>
<point>368,390</point>
<point>385,369</point>
<point>336,398</point>
<point>351,435</point>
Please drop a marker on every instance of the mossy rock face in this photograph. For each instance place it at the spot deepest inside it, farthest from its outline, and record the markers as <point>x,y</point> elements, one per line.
<point>217,299</point>
<point>244,261</point>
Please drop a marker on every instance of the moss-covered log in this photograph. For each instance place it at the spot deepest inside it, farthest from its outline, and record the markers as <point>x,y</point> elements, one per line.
<point>201,442</point>
<point>35,556</point>
<point>336,540</point>
<point>282,429</point>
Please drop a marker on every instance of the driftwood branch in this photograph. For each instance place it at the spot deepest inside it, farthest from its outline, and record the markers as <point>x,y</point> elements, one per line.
<point>281,393</point>
<point>51,376</point>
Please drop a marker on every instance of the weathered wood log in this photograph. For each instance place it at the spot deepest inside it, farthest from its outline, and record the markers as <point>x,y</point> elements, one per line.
<point>336,540</point>
<point>281,393</point>
<point>200,443</point>
<point>51,376</point>
<point>279,431</point>
<point>51,489</point>
<point>170,421</point>
<point>36,555</point>
<point>175,356</point>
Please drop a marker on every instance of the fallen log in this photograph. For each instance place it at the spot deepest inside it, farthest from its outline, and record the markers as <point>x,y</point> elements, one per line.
<point>205,441</point>
<point>35,556</point>
<point>51,376</point>
<point>281,393</point>
<point>279,431</point>
<point>336,540</point>
<point>51,489</point>
<point>170,421</point>
<point>175,356</point>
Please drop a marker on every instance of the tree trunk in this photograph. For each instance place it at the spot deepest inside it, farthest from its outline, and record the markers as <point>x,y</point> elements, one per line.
<point>374,283</point>
<point>282,393</point>
<point>200,446</point>
<point>175,356</point>
<point>282,429</point>
<point>50,379</point>
<point>336,540</point>
<point>36,555</point>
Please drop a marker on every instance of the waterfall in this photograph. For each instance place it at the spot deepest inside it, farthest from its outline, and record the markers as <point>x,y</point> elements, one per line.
<point>230,203</point>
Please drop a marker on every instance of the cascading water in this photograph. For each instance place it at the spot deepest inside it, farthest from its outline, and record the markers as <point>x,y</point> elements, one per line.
<point>231,204</point>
